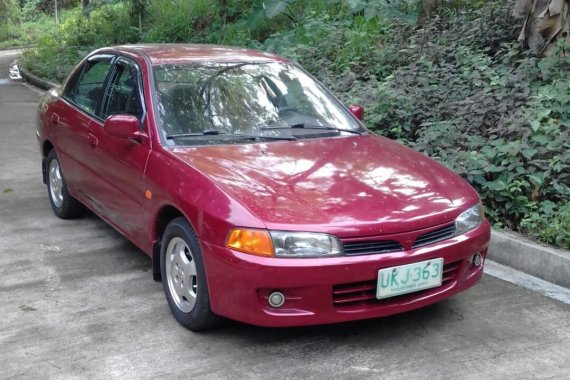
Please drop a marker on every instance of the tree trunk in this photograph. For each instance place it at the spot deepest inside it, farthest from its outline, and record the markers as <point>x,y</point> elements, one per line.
<point>84,3</point>
<point>545,22</point>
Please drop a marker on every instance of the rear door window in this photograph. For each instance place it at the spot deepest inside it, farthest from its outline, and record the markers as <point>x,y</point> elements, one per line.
<point>87,91</point>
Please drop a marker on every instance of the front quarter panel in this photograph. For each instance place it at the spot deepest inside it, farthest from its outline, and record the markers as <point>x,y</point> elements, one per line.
<point>209,210</point>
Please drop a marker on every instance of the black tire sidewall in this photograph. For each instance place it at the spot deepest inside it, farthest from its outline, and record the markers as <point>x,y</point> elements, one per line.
<point>201,316</point>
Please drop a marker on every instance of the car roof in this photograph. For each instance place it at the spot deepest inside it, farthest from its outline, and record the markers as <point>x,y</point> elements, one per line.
<point>186,53</point>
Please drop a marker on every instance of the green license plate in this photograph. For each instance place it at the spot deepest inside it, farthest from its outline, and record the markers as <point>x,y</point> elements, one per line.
<point>409,278</point>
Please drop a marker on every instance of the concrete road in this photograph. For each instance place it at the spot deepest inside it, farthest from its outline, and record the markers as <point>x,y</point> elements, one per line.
<point>78,301</point>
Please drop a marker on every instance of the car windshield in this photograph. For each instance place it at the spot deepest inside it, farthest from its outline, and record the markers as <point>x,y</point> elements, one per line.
<point>217,103</point>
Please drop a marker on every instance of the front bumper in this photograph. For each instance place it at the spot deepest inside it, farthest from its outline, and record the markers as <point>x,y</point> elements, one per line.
<point>331,290</point>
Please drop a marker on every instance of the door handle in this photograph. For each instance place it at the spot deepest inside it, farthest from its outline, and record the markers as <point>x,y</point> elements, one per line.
<point>55,118</point>
<point>92,139</point>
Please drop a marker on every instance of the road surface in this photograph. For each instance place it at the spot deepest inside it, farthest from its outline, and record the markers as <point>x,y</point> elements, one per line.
<point>77,301</point>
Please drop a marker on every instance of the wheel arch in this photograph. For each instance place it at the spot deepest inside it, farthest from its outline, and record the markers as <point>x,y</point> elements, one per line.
<point>47,146</point>
<point>164,216</point>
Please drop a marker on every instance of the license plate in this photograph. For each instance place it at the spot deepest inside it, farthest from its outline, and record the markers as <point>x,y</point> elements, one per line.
<point>409,278</point>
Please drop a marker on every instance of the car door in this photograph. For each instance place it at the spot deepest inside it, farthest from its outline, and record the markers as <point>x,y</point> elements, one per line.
<point>119,163</point>
<point>71,117</point>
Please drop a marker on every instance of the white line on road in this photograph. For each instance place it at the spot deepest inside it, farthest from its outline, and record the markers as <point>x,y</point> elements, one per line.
<point>527,281</point>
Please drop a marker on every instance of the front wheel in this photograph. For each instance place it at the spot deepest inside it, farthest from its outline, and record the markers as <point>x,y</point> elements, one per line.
<point>184,277</point>
<point>62,203</point>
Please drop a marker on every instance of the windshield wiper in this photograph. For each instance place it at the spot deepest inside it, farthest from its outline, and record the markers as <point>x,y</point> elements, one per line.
<point>312,126</point>
<point>213,132</point>
<point>207,132</point>
<point>264,137</point>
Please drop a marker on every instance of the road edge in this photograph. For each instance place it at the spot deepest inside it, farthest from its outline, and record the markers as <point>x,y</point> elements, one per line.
<point>515,251</point>
<point>35,80</point>
<point>548,289</point>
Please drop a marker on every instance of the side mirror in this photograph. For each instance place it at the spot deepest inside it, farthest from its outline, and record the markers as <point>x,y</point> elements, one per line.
<point>123,126</point>
<point>357,111</point>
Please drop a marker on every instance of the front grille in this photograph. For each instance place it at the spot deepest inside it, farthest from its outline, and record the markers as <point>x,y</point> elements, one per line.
<point>435,236</point>
<point>371,247</point>
<point>364,293</point>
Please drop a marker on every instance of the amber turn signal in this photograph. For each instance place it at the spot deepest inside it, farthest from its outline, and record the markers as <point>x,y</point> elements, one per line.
<point>255,242</point>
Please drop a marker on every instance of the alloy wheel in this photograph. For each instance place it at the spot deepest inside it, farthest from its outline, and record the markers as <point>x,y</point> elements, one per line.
<point>55,183</point>
<point>181,274</point>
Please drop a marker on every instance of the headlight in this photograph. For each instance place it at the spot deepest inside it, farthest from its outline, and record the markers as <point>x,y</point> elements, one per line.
<point>469,219</point>
<point>305,244</point>
<point>283,243</point>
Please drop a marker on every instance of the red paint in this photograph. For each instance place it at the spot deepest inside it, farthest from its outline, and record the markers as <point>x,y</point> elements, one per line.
<point>124,126</point>
<point>355,187</point>
<point>238,282</point>
<point>357,111</point>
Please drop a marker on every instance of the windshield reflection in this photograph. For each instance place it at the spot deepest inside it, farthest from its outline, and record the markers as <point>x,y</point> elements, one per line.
<point>201,104</point>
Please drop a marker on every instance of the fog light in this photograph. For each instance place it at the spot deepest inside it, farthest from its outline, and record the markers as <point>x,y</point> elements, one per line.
<point>477,259</point>
<point>276,299</point>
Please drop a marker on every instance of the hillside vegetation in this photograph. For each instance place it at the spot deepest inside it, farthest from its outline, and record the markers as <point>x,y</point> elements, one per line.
<point>449,81</point>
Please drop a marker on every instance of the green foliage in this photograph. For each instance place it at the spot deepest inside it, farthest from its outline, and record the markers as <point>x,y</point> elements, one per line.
<point>107,25</point>
<point>335,40</point>
<point>64,45</point>
<point>7,33</point>
<point>9,11</point>
<point>181,21</point>
<point>9,14</point>
<point>31,11</point>
<point>28,23</point>
<point>549,222</point>
<point>274,8</point>
<point>369,9</point>
<point>51,60</point>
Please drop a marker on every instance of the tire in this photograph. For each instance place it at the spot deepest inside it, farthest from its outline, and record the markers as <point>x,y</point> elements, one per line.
<point>184,278</point>
<point>62,203</point>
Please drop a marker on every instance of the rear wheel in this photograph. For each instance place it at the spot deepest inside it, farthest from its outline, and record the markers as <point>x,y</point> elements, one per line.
<point>184,277</point>
<point>62,203</point>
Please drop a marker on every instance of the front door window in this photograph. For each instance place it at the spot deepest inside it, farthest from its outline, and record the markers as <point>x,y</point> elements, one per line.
<point>124,95</point>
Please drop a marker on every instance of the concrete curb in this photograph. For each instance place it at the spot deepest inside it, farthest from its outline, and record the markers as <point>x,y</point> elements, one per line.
<point>36,81</point>
<point>515,251</point>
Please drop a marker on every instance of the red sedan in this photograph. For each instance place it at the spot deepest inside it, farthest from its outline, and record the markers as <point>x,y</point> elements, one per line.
<point>257,194</point>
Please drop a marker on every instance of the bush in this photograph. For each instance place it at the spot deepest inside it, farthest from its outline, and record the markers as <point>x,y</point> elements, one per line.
<point>9,14</point>
<point>61,47</point>
<point>549,222</point>
<point>178,21</point>
<point>31,11</point>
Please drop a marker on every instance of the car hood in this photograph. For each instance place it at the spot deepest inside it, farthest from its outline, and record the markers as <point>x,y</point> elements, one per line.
<point>350,186</point>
